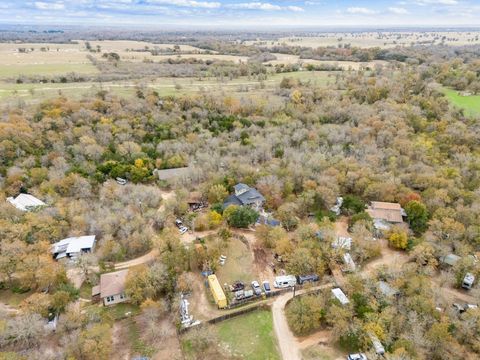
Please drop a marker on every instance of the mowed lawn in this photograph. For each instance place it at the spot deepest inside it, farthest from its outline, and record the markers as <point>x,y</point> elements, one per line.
<point>471,104</point>
<point>250,336</point>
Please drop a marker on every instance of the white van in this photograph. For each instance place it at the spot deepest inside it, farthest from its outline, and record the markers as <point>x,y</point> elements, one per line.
<point>285,281</point>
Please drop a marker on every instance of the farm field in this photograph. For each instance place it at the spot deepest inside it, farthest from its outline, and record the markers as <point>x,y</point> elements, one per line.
<point>250,336</point>
<point>471,104</point>
<point>10,92</point>
<point>375,39</point>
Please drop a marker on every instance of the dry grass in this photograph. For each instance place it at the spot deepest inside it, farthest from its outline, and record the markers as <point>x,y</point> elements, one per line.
<point>371,39</point>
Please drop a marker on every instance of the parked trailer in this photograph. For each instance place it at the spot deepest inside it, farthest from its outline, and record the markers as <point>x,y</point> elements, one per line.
<point>217,292</point>
<point>285,281</point>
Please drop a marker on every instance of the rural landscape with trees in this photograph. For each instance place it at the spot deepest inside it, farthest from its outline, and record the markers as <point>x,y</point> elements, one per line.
<point>239,195</point>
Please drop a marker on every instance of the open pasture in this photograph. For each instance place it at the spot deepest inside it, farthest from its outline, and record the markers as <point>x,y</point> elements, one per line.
<point>376,39</point>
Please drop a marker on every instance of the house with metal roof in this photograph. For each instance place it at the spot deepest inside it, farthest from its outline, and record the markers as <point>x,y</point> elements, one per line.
<point>73,247</point>
<point>385,214</point>
<point>26,202</point>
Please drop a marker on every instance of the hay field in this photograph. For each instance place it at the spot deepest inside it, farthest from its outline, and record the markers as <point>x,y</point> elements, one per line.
<point>141,56</point>
<point>345,65</point>
<point>376,39</point>
<point>43,59</point>
<point>135,50</point>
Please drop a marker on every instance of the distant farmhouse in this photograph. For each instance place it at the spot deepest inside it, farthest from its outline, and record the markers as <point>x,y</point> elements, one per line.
<point>385,214</point>
<point>245,196</point>
<point>26,202</point>
<point>111,289</point>
<point>73,247</point>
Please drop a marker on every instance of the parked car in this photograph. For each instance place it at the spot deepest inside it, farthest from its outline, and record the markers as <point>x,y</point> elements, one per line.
<point>359,356</point>
<point>256,287</point>
<point>237,285</point>
<point>302,279</point>
<point>266,287</point>
<point>183,230</point>
<point>121,181</point>
<point>178,223</point>
<point>243,294</point>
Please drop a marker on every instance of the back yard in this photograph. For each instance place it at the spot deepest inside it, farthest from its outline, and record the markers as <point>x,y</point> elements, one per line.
<point>250,336</point>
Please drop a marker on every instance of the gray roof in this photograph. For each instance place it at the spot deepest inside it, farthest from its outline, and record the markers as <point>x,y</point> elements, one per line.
<point>386,289</point>
<point>450,259</point>
<point>251,196</point>
<point>248,197</point>
<point>240,187</point>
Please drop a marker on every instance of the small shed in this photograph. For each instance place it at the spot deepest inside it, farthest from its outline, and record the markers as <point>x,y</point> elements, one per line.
<point>386,289</point>
<point>349,263</point>
<point>26,202</point>
<point>449,259</point>
<point>340,296</point>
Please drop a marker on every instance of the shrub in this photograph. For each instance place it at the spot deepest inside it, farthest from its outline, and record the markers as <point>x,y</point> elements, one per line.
<point>398,238</point>
<point>352,204</point>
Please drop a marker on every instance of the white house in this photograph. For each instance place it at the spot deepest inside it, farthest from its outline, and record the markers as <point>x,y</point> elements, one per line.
<point>72,247</point>
<point>26,202</point>
<point>111,288</point>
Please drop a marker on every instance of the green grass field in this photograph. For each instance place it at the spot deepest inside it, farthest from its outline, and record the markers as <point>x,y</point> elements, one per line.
<point>8,71</point>
<point>250,336</point>
<point>471,104</point>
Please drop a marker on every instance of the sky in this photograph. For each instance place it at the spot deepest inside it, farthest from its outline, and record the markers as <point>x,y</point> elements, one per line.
<point>247,14</point>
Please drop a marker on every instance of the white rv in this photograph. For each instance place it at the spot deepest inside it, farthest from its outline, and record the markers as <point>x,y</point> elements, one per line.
<point>285,281</point>
<point>468,281</point>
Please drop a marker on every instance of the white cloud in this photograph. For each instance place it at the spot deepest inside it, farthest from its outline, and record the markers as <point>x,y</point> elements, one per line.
<point>263,6</point>
<point>255,6</point>
<point>295,8</point>
<point>398,10</point>
<point>188,3</point>
<point>360,10</point>
<point>436,2</point>
<point>49,6</point>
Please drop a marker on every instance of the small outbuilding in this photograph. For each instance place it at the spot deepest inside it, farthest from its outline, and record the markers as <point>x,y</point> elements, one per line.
<point>340,296</point>
<point>26,202</point>
<point>73,247</point>
<point>449,259</point>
